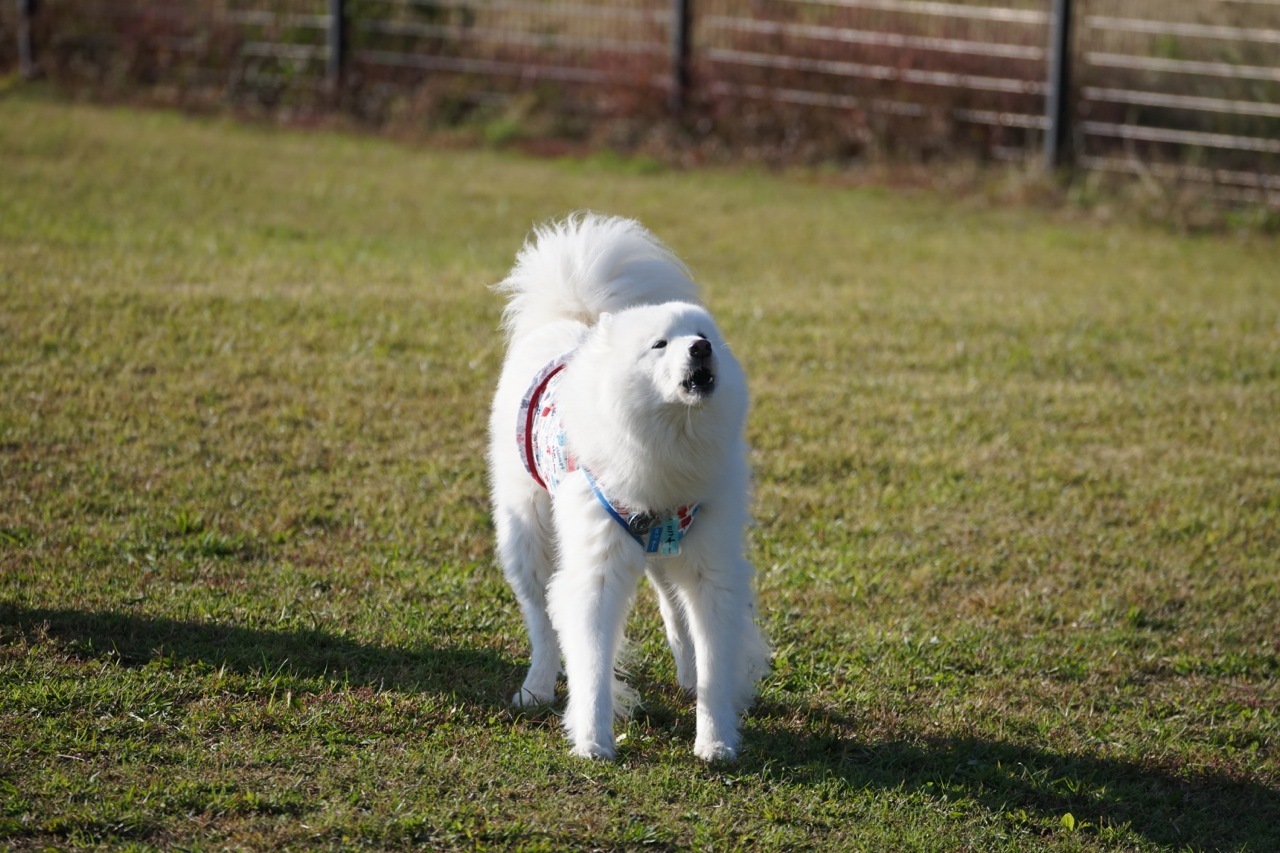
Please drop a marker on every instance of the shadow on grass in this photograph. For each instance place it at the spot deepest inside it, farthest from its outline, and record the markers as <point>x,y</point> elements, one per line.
<point>475,677</point>
<point>1185,808</point>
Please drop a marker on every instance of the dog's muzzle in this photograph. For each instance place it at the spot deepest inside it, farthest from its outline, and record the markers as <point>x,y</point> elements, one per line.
<point>700,381</point>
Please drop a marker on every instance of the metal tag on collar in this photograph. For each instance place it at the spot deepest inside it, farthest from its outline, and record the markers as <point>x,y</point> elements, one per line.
<point>640,523</point>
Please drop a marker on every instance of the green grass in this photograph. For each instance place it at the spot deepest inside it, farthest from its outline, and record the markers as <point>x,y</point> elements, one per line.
<point>1018,491</point>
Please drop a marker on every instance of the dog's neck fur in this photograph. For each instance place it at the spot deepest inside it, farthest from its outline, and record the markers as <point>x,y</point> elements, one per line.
<point>680,435</point>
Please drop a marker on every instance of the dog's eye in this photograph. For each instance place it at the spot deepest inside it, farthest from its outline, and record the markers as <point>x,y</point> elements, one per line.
<point>659,344</point>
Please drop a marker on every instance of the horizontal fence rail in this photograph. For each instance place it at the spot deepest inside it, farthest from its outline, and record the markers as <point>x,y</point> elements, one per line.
<point>939,71</point>
<point>1175,89</point>
<point>1183,90</point>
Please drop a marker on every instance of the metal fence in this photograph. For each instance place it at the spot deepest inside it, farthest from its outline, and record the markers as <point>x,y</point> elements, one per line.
<point>1183,90</point>
<point>1177,89</point>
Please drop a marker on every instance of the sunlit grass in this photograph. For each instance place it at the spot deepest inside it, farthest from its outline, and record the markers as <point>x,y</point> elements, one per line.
<point>1017,500</point>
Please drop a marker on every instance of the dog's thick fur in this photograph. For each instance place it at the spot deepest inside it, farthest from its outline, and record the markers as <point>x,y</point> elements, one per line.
<point>642,414</point>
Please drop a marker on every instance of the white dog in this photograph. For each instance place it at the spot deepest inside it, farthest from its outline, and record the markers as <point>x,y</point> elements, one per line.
<point>616,449</point>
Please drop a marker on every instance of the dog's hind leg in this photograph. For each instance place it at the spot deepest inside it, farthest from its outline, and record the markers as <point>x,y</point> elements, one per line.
<point>524,550</point>
<point>677,626</point>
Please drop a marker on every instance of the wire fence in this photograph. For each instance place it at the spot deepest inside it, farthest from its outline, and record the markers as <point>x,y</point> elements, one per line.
<point>1177,89</point>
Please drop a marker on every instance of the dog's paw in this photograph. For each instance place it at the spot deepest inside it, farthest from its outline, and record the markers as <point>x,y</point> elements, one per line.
<point>715,751</point>
<point>595,751</point>
<point>525,698</point>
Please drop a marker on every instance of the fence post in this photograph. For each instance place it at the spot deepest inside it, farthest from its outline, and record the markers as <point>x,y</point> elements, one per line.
<point>337,42</point>
<point>26,49</point>
<point>680,24</point>
<point>1057,131</point>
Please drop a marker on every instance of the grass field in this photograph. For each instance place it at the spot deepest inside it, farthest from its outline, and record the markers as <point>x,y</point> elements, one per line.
<point>1017,511</point>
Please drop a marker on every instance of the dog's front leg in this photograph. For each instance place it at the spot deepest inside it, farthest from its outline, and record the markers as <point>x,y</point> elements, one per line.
<point>724,636</point>
<point>525,552</point>
<point>589,597</point>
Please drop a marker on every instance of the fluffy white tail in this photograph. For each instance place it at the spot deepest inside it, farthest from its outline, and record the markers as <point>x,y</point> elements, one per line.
<point>588,265</point>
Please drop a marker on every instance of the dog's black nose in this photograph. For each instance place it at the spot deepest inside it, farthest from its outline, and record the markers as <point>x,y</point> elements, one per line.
<point>701,348</point>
